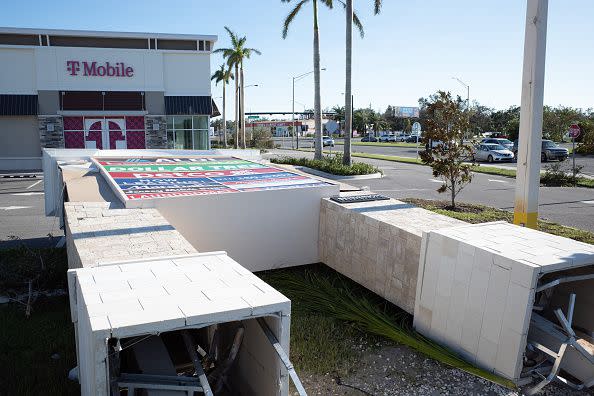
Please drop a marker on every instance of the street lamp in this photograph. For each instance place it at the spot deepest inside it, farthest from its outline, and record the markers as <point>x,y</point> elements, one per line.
<point>467,101</point>
<point>297,78</point>
<point>241,110</point>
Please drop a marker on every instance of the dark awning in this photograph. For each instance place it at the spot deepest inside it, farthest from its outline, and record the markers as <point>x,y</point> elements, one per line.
<point>215,110</point>
<point>13,105</point>
<point>181,105</point>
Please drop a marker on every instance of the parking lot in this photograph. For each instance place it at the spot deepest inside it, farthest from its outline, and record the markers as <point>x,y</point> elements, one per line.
<point>22,213</point>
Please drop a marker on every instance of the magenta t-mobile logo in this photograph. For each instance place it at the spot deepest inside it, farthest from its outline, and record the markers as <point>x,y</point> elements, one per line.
<point>73,67</point>
<point>96,69</point>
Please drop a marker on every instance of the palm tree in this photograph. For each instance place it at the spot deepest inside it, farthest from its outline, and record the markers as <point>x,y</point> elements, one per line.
<point>235,56</point>
<point>348,124</point>
<point>223,75</point>
<point>316,59</point>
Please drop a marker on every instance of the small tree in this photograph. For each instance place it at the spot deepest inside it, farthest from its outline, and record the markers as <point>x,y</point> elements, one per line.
<point>445,126</point>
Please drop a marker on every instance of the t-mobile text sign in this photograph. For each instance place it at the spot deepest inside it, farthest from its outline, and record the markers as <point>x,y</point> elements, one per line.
<point>97,69</point>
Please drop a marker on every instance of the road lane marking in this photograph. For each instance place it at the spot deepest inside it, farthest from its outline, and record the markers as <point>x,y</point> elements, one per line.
<point>497,181</point>
<point>14,207</point>
<point>34,184</point>
<point>436,181</point>
<point>29,193</point>
<point>588,202</point>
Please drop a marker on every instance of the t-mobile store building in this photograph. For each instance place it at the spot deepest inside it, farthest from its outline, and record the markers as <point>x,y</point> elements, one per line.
<point>101,90</point>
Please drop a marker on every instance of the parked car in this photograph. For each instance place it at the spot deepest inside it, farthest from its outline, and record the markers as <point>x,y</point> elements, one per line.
<point>369,138</point>
<point>327,141</point>
<point>492,152</point>
<point>413,138</point>
<point>401,138</point>
<point>549,151</point>
<point>508,144</point>
<point>387,138</point>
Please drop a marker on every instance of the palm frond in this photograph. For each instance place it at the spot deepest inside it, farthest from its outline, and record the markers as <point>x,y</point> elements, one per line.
<point>377,6</point>
<point>255,51</point>
<point>291,16</point>
<point>233,36</point>
<point>326,292</point>
<point>328,3</point>
<point>359,25</point>
<point>356,20</point>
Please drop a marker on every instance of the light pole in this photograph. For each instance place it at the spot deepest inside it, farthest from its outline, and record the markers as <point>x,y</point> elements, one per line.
<point>297,78</point>
<point>531,109</point>
<point>467,102</point>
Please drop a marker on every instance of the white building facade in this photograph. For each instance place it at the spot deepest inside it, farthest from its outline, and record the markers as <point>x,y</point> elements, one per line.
<point>101,90</point>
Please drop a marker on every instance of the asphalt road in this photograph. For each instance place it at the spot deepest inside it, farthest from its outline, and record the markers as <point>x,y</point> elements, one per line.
<point>22,214</point>
<point>587,162</point>
<point>569,206</point>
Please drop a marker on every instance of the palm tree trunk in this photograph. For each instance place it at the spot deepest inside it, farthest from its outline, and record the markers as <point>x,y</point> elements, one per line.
<point>317,95</point>
<point>236,109</point>
<point>224,110</point>
<point>348,102</point>
<point>242,114</point>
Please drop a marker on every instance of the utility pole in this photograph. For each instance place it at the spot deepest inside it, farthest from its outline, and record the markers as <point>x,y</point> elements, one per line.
<point>531,110</point>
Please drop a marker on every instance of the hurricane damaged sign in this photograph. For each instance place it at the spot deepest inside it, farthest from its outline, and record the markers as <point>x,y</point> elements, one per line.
<point>147,178</point>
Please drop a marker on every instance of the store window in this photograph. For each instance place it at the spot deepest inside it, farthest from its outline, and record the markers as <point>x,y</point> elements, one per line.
<point>187,132</point>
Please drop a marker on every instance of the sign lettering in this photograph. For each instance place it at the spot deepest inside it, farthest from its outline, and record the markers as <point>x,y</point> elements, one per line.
<point>95,69</point>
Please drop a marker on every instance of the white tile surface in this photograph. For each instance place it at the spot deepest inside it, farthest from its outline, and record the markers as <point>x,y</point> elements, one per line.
<point>493,277</point>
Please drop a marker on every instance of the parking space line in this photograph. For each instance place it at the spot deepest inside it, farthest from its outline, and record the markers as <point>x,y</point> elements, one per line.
<point>435,181</point>
<point>497,181</point>
<point>588,202</point>
<point>34,184</point>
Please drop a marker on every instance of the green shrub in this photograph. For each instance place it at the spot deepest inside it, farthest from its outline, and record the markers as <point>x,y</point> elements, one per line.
<point>556,176</point>
<point>261,138</point>
<point>329,164</point>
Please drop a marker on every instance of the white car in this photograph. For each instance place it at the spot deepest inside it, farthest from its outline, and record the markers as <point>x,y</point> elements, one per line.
<point>492,152</point>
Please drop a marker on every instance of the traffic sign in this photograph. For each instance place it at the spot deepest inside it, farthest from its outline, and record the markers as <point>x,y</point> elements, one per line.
<point>253,117</point>
<point>416,128</point>
<point>574,131</point>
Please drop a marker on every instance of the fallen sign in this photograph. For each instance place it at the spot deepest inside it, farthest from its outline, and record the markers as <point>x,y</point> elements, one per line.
<point>197,322</point>
<point>504,298</point>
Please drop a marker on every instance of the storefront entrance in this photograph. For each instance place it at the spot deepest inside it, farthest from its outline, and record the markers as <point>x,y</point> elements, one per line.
<point>104,133</point>
<point>108,133</point>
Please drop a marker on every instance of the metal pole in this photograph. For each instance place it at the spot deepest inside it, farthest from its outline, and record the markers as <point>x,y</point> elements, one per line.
<point>573,156</point>
<point>293,117</point>
<point>467,112</point>
<point>531,110</point>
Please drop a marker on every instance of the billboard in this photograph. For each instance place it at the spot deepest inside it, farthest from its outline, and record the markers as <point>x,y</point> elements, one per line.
<point>406,112</point>
<point>146,178</point>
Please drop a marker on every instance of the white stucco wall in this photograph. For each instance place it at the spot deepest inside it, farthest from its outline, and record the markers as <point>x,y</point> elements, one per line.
<point>27,70</point>
<point>260,229</point>
<point>17,71</point>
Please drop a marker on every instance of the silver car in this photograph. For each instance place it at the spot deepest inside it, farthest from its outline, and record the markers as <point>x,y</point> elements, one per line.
<point>492,152</point>
<point>506,143</point>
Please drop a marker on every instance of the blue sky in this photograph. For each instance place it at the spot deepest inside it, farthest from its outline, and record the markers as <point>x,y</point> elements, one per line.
<point>411,49</point>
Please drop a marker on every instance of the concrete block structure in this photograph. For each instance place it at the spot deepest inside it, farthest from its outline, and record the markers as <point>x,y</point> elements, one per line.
<point>478,285</point>
<point>377,244</point>
<point>97,232</point>
<point>124,304</point>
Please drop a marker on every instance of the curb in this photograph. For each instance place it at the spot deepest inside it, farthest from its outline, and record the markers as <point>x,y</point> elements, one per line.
<point>330,176</point>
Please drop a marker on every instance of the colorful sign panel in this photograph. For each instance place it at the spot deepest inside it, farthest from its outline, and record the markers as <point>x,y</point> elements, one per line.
<point>146,178</point>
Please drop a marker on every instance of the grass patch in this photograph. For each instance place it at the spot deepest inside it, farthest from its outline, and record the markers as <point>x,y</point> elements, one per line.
<point>329,164</point>
<point>325,292</point>
<point>486,169</point>
<point>27,346</point>
<point>19,265</point>
<point>474,214</point>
